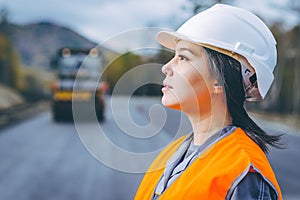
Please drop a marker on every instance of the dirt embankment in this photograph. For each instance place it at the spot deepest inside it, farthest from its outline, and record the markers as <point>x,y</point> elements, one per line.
<point>13,108</point>
<point>9,98</point>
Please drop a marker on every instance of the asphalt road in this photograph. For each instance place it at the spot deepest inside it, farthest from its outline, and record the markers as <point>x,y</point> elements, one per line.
<point>43,160</point>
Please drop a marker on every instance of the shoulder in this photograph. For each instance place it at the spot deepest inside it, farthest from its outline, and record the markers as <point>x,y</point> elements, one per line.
<point>248,154</point>
<point>253,186</point>
<point>240,142</point>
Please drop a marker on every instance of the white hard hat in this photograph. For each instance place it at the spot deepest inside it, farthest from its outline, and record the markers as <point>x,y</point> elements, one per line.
<point>237,33</point>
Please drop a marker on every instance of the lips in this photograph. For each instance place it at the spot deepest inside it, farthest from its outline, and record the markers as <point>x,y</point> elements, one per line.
<point>166,87</point>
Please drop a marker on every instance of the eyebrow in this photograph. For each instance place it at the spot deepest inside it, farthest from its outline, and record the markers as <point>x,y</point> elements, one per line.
<point>186,49</point>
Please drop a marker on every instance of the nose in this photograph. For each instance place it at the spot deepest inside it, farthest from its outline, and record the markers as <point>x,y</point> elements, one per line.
<point>167,68</point>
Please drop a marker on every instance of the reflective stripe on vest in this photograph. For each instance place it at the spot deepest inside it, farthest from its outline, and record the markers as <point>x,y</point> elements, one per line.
<point>213,173</point>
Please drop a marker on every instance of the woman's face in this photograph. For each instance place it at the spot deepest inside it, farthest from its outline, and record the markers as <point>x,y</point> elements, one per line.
<point>188,83</point>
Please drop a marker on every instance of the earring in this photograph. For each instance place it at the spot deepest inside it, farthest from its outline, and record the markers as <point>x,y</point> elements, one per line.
<point>217,88</point>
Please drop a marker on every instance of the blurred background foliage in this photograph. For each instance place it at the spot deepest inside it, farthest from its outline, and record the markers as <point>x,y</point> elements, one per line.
<point>26,51</point>
<point>119,66</point>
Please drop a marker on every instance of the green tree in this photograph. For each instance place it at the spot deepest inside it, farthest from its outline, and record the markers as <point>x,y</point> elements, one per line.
<point>9,63</point>
<point>10,71</point>
<point>290,92</point>
<point>120,66</point>
<point>5,27</point>
<point>4,15</point>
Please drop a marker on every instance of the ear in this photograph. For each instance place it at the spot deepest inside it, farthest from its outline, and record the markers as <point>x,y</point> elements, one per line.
<point>217,89</point>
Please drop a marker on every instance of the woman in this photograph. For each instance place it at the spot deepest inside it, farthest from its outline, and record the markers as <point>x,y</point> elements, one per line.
<point>223,56</point>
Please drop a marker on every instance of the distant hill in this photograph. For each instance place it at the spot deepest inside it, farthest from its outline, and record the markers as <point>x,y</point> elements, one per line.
<point>37,43</point>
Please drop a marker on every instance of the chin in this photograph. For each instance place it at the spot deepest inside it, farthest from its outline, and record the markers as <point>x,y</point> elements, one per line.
<point>170,103</point>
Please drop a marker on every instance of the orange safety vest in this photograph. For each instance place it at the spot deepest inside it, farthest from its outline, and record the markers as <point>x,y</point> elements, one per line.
<point>213,173</point>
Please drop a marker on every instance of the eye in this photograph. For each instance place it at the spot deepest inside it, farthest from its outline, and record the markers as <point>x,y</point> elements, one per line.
<point>182,58</point>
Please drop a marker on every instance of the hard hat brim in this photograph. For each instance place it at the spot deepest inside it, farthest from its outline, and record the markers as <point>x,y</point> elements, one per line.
<point>169,39</point>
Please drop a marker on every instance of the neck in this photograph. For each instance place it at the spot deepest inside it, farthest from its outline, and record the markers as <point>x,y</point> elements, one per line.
<point>206,125</point>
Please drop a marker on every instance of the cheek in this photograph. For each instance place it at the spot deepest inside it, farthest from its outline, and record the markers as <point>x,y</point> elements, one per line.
<point>195,90</point>
<point>199,85</point>
<point>196,84</point>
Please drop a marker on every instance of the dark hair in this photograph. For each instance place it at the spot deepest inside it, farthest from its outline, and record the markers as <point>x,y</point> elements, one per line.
<point>228,72</point>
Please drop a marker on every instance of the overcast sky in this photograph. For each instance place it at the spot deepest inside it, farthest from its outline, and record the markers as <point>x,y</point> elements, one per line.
<point>97,19</point>
<point>101,19</point>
